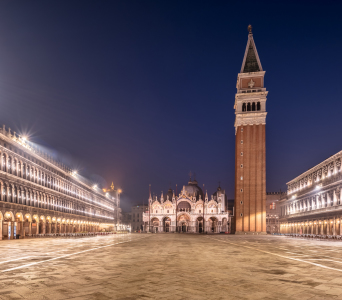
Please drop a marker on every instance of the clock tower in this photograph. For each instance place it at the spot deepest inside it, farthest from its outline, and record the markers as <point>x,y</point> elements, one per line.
<point>250,148</point>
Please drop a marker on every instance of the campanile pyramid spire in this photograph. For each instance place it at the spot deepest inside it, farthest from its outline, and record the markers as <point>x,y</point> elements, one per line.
<point>250,143</point>
<point>251,61</point>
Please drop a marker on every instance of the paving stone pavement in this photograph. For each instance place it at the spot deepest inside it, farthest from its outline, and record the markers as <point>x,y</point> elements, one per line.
<point>171,266</point>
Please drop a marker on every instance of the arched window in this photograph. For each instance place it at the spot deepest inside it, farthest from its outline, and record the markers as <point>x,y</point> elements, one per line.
<point>258,106</point>
<point>4,165</point>
<point>248,107</point>
<point>253,106</point>
<point>244,107</point>
<point>9,165</point>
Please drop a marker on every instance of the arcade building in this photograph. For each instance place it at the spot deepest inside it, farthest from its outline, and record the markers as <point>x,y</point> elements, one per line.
<point>185,213</point>
<point>39,195</point>
<point>313,202</point>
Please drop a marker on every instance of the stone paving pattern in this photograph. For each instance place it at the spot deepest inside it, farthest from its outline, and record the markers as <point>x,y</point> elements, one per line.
<point>171,266</point>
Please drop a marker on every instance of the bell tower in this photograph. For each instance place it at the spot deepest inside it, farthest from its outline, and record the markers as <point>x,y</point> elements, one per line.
<point>250,150</point>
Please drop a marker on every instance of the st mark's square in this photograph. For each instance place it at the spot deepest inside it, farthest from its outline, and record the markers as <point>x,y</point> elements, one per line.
<point>134,157</point>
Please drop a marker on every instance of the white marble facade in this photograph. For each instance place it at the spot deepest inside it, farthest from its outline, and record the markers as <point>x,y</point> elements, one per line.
<point>184,212</point>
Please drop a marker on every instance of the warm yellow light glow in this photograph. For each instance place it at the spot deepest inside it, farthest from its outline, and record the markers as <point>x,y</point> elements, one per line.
<point>119,191</point>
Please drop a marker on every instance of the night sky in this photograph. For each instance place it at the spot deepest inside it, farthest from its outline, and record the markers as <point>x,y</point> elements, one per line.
<point>142,92</point>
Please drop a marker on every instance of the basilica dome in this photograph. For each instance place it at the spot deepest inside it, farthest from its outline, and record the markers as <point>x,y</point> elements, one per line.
<point>192,189</point>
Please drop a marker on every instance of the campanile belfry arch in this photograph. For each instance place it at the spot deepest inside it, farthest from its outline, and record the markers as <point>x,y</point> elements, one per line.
<point>250,148</point>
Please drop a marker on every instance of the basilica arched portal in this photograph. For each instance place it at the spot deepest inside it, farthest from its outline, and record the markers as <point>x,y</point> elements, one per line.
<point>199,224</point>
<point>167,224</point>
<point>213,224</point>
<point>183,222</point>
<point>155,224</point>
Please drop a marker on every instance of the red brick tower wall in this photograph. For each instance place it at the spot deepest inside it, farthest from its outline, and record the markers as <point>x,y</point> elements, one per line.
<point>250,179</point>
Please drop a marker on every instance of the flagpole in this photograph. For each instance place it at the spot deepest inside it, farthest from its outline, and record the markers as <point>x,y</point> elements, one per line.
<point>176,207</point>
<point>149,210</point>
<point>203,209</point>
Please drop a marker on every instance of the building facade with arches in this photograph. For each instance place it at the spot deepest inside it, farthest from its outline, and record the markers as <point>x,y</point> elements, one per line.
<point>39,195</point>
<point>313,202</point>
<point>184,212</point>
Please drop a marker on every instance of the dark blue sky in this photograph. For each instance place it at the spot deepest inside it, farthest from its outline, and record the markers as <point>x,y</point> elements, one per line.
<point>140,92</point>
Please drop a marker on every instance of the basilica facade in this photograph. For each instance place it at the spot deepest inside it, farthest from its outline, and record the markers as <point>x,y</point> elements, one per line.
<point>185,213</point>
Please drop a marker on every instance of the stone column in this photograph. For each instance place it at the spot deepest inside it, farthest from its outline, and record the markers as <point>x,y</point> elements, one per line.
<point>1,191</point>
<point>30,228</point>
<point>1,165</point>
<point>1,223</point>
<point>55,228</point>
<point>321,229</point>
<point>44,228</point>
<point>334,226</point>
<point>12,230</point>
<point>49,228</point>
<point>22,230</point>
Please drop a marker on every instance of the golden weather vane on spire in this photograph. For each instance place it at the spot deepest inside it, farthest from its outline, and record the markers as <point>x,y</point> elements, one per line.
<point>249,28</point>
<point>112,186</point>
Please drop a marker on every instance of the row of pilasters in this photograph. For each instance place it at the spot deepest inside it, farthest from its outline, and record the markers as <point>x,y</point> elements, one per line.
<point>26,228</point>
<point>329,226</point>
